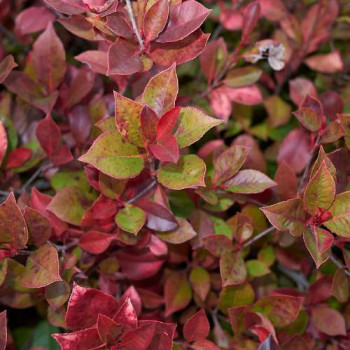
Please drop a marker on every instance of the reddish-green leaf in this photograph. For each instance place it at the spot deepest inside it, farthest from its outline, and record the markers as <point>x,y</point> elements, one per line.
<point>166,149</point>
<point>313,247</point>
<point>287,216</point>
<point>340,286</point>
<point>232,268</point>
<point>200,281</point>
<point>244,76</point>
<point>328,321</point>
<point>177,293</point>
<point>323,158</point>
<point>114,157</point>
<point>38,225</point>
<point>249,181</point>
<point>183,233</point>
<point>13,228</point>
<point>196,327</point>
<point>161,91</point>
<point>188,172</point>
<point>155,19</point>
<point>309,118</point>
<point>57,293</point>
<point>235,296</point>
<point>6,66</point>
<point>228,163</point>
<point>320,191</point>
<point>192,125</point>
<point>131,219</point>
<point>278,110</point>
<point>3,330</point>
<point>281,310</point>
<point>287,182</point>
<point>42,268</point>
<point>85,339</point>
<point>49,59</point>
<point>339,223</point>
<point>128,118</point>
<point>96,242</point>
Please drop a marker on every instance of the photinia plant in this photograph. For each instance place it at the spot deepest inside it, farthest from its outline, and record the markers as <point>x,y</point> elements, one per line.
<point>174,175</point>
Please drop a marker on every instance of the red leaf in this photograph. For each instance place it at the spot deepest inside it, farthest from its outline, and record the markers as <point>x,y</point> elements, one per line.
<point>84,306</point>
<point>165,54</point>
<point>13,228</point>
<point>108,330</point>
<point>196,327</point>
<point>126,314</point>
<point>250,18</point>
<point>132,294</point>
<point>18,157</point>
<point>299,88</point>
<point>38,225</point>
<point>166,149</point>
<point>155,19</point>
<point>287,182</point>
<point>149,121</point>
<point>6,66</point>
<point>118,23</point>
<point>138,339</point>
<point>33,19</point>
<point>184,19</point>
<point>167,122</point>
<point>274,10</point>
<point>49,135</point>
<point>3,142</point>
<point>249,95</point>
<point>3,330</point>
<point>97,60</point>
<point>62,155</point>
<point>83,340</point>
<point>328,321</point>
<point>328,63</point>
<point>123,58</point>
<point>96,242</point>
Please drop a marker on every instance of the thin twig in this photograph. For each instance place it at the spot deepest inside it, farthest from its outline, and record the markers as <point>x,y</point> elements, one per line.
<point>297,277</point>
<point>142,193</point>
<point>339,264</point>
<point>133,23</point>
<point>258,236</point>
<point>32,178</point>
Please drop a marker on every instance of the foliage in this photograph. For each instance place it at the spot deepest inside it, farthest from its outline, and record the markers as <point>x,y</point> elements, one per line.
<point>174,174</point>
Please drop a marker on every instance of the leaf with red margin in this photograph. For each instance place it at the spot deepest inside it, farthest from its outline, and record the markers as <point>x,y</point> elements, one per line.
<point>118,23</point>
<point>188,172</point>
<point>131,219</point>
<point>249,181</point>
<point>49,59</point>
<point>114,157</point>
<point>232,268</point>
<point>135,299</point>
<point>182,234</point>
<point>314,248</point>
<point>84,306</point>
<point>3,142</point>
<point>340,286</point>
<point>324,240</point>
<point>126,313</point>
<point>18,157</point>
<point>217,244</point>
<point>247,95</point>
<point>326,63</point>
<point>166,149</point>
<point>97,60</point>
<point>13,228</point>
<point>161,91</point>
<point>57,293</point>
<point>49,135</point>
<point>309,118</point>
<point>38,225</point>
<point>165,54</point>
<point>204,345</point>
<point>6,66</point>
<point>86,339</point>
<point>280,309</point>
<point>328,321</point>
<point>108,330</point>
<point>184,19</point>
<point>155,19</point>
<point>196,327</point>
<point>123,58</point>
<point>320,191</point>
<point>96,242</point>
<point>71,7</point>
<point>3,330</point>
<point>323,158</point>
<point>163,335</point>
<point>287,216</point>
<point>339,223</point>
<point>42,268</point>
<point>177,293</point>
<point>228,163</point>
<point>200,281</point>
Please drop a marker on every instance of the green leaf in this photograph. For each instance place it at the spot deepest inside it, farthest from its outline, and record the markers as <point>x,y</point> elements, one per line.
<point>320,191</point>
<point>42,336</point>
<point>232,268</point>
<point>249,181</point>
<point>114,157</point>
<point>131,219</point>
<point>340,286</point>
<point>70,204</point>
<point>278,110</point>
<point>57,293</point>
<point>267,255</point>
<point>200,281</point>
<point>192,125</point>
<point>311,245</point>
<point>188,172</point>
<point>182,234</point>
<point>161,91</point>
<point>128,118</point>
<point>309,118</point>
<point>287,216</point>
<point>228,163</point>
<point>256,268</point>
<point>42,268</point>
<point>111,187</point>
<point>243,76</point>
<point>67,178</point>
<point>234,296</point>
<point>339,223</point>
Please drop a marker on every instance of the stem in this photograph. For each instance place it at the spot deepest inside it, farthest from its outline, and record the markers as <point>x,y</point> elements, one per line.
<point>297,277</point>
<point>32,178</point>
<point>258,236</point>
<point>338,264</point>
<point>142,193</point>
<point>133,23</point>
